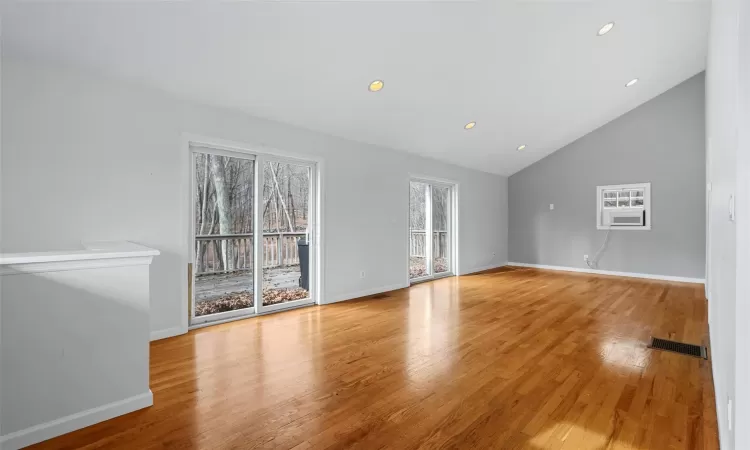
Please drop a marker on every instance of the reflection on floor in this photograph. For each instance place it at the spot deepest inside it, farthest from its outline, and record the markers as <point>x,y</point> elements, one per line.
<point>515,358</point>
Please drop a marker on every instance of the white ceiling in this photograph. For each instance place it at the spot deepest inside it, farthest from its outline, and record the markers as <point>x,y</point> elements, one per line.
<point>528,72</point>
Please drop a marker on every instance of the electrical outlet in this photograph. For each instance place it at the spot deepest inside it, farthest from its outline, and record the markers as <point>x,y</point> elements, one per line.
<point>551,206</point>
<point>585,258</point>
<point>729,413</point>
<point>362,274</point>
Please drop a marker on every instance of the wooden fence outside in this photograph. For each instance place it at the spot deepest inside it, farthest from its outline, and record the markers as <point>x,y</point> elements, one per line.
<point>279,250</point>
<point>418,246</point>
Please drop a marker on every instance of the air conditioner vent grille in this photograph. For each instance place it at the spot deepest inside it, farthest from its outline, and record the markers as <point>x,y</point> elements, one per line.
<point>626,220</point>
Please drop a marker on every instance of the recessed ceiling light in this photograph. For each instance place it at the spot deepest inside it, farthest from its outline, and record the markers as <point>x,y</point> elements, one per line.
<point>631,82</point>
<point>376,85</point>
<point>521,147</point>
<point>605,29</point>
<point>470,125</point>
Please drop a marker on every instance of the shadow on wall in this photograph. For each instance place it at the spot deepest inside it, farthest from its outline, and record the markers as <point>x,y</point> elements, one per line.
<point>71,341</point>
<point>546,248</point>
<point>168,288</point>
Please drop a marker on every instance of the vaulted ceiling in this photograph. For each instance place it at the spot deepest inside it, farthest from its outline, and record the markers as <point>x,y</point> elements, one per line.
<point>527,72</point>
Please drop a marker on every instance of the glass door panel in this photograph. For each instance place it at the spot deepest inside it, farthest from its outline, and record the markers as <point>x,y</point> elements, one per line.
<point>419,251</point>
<point>430,230</point>
<point>441,233</point>
<point>287,194</point>
<point>223,245</point>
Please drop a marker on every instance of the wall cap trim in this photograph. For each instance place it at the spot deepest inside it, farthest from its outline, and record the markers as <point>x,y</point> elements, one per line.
<point>94,255</point>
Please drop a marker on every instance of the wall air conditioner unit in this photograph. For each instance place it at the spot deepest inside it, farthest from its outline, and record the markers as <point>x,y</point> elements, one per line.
<point>623,207</point>
<point>623,218</point>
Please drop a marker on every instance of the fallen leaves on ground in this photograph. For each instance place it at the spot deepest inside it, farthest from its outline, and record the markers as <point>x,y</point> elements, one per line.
<point>417,266</point>
<point>244,299</point>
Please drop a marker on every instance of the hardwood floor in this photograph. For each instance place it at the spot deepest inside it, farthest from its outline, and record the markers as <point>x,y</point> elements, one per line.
<point>515,358</point>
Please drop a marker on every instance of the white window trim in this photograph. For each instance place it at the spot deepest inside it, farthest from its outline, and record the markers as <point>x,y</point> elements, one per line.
<point>646,205</point>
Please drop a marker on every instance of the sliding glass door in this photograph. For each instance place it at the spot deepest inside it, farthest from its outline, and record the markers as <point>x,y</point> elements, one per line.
<point>430,229</point>
<point>253,218</point>
<point>442,239</point>
<point>223,267</point>
<point>286,234</point>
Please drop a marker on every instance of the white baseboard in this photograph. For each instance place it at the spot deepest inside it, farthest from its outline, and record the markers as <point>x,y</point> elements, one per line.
<point>720,403</point>
<point>83,419</point>
<point>613,273</point>
<point>483,268</point>
<point>364,293</point>
<point>167,333</point>
<point>393,287</point>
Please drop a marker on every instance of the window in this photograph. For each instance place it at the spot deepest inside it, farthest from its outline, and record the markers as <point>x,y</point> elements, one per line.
<point>625,206</point>
<point>624,198</point>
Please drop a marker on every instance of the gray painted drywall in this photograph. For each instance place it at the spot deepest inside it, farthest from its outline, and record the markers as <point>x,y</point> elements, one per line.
<point>661,142</point>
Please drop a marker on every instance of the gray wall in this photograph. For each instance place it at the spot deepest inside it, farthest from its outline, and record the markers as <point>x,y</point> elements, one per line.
<point>662,142</point>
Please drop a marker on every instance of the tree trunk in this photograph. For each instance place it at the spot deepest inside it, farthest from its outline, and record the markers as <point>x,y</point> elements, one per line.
<point>265,208</point>
<point>276,214</point>
<point>281,198</point>
<point>204,203</point>
<point>203,194</point>
<point>218,253</point>
<point>218,173</point>
<point>291,199</point>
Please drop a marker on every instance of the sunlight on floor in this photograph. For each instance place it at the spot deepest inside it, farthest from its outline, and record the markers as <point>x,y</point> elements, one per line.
<point>432,337</point>
<point>629,354</point>
<point>566,435</point>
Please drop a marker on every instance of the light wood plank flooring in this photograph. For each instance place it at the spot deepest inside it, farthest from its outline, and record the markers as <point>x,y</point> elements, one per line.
<point>510,359</point>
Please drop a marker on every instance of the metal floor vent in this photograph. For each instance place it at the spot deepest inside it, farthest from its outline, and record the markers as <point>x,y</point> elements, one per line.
<point>678,347</point>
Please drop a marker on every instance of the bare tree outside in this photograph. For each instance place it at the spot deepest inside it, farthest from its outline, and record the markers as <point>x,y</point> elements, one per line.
<point>224,231</point>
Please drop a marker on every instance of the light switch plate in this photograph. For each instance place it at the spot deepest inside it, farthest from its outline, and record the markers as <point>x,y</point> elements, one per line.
<point>551,206</point>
